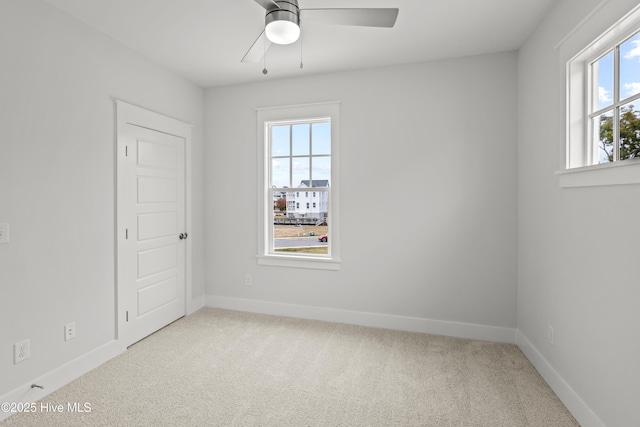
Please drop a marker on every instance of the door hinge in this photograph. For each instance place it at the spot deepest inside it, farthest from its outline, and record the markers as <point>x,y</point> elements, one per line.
<point>127,315</point>
<point>126,234</point>
<point>126,151</point>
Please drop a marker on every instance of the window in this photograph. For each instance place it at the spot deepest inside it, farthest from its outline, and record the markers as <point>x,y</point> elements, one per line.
<point>299,146</point>
<point>603,106</point>
<point>300,156</point>
<point>614,109</point>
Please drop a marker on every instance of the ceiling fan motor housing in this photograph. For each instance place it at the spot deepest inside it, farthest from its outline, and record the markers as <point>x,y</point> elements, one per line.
<point>282,22</point>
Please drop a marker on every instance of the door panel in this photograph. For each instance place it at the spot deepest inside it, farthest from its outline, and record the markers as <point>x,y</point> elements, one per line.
<point>154,225</point>
<point>158,155</point>
<point>157,295</point>
<point>155,260</point>
<point>155,189</point>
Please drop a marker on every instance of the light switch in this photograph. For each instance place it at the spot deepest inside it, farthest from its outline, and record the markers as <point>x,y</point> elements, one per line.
<point>4,233</point>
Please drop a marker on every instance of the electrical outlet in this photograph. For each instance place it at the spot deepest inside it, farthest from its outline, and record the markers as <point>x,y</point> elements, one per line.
<point>21,351</point>
<point>551,335</point>
<point>69,331</point>
<point>248,280</point>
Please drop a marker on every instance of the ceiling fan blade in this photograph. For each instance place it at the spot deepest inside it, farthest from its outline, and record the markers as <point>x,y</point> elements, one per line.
<point>257,49</point>
<point>267,4</point>
<point>365,17</point>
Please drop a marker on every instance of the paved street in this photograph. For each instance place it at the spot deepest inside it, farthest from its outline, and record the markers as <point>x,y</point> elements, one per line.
<point>297,242</point>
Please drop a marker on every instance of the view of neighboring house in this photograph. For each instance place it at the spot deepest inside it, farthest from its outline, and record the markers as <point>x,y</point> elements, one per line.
<point>309,200</point>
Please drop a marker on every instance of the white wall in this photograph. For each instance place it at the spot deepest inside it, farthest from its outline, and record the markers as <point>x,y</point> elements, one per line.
<point>437,139</point>
<point>59,79</point>
<point>579,248</point>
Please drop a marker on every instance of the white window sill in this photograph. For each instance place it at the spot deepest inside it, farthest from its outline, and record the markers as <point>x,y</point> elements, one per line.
<point>618,173</point>
<point>299,262</point>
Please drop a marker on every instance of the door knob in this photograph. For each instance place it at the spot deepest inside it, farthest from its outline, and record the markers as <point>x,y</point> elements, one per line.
<point>182,236</point>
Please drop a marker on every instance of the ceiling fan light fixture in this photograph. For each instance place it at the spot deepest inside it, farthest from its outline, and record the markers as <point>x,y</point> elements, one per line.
<point>282,32</point>
<point>282,25</point>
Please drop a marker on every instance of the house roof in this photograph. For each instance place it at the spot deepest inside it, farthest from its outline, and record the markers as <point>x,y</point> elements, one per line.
<point>315,183</point>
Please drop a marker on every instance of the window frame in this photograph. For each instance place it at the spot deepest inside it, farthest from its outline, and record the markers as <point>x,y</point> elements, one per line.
<point>286,114</point>
<point>578,167</point>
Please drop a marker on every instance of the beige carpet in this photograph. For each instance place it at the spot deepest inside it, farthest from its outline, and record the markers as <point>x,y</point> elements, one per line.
<point>226,368</point>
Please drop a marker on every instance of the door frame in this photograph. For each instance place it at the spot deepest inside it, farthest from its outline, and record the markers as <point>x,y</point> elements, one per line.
<point>127,113</point>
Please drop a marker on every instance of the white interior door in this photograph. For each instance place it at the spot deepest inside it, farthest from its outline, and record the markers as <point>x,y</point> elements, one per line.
<point>151,229</point>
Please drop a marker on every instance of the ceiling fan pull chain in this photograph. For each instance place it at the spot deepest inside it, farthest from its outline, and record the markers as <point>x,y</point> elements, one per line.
<point>301,51</point>
<point>264,54</point>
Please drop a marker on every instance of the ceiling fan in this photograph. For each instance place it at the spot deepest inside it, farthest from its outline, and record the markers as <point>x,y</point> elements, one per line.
<point>283,17</point>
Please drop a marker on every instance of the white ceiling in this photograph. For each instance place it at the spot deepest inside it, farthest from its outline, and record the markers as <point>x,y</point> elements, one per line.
<point>204,40</point>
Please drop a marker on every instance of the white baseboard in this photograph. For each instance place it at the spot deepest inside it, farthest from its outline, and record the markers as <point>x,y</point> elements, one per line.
<point>61,376</point>
<point>580,411</point>
<point>412,324</point>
